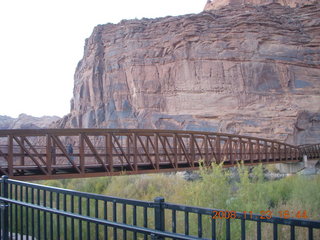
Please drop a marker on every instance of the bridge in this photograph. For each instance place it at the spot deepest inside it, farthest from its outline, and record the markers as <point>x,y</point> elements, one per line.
<point>39,154</point>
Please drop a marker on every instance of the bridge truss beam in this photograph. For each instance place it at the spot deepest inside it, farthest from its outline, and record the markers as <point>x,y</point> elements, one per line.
<point>43,153</point>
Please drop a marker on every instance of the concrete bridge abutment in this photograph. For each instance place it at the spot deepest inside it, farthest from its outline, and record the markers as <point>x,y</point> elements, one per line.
<point>305,167</point>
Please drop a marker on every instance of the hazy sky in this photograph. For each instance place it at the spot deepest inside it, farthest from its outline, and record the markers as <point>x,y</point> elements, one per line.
<point>42,41</point>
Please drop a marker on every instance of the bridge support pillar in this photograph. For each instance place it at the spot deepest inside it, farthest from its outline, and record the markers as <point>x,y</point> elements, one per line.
<point>290,167</point>
<point>305,161</point>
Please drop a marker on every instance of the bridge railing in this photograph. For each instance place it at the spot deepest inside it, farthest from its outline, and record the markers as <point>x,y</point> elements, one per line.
<point>312,151</point>
<point>44,212</point>
<point>43,153</point>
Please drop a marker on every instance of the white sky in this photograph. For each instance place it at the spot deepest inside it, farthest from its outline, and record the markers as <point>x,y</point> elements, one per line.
<point>41,42</point>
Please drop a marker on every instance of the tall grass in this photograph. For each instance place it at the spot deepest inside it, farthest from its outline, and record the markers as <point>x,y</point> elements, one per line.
<point>220,188</point>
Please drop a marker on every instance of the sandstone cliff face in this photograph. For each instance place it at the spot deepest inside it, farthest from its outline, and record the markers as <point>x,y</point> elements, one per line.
<point>25,121</point>
<point>251,70</point>
<point>216,4</point>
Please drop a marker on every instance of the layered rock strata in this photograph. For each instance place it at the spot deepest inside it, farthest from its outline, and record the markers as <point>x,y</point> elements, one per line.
<point>252,70</point>
<point>216,4</point>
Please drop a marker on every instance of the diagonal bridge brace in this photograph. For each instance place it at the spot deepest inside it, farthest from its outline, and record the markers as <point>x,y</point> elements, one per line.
<point>23,147</point>
<point>64,151</point>
<point>94,151</point>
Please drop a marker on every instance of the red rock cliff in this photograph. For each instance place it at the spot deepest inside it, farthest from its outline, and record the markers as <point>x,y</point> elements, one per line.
<point>251,70</point>
<point>216,4</point>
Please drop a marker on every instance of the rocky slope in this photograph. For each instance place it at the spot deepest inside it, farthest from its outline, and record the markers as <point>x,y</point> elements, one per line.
<point>27,122</point>
<point>216,4</point>
<point>251,70</point>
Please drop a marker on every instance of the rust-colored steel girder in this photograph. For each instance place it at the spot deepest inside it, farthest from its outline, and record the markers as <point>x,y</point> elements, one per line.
<point>70,153</point>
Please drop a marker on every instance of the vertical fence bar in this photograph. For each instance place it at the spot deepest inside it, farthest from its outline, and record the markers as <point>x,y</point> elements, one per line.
<point>275,231</point>
<point>310,233</point>
<point>134,220</point>
<point>44,214</point>
<point>145,220</point>
<point>105,216</point>
<point>12,196</point>
<point>186,223</point>
<point>51,214</point>
<point>80,212</point>
<point>228,232</point>
<point>38,215</point>
<point>258,230</point>
<point>27,211</point>
<point>72,219</point>
<point>292,233</point>
<point>174,221</point>
<point>88,214</point>
<point>58,216</point>
<point>32,214</point>
<point>5,210</point>
<point>199,225</point>
<point>124,220</point>
<point>21,212</point>
<point>243,229</point>
<point>96,214</point>
<point>213,228</point>
<point>65,218</point>
<point>1,212</point>
<point>15,210</point>
<point>159,214</point>
<point>114,212</point>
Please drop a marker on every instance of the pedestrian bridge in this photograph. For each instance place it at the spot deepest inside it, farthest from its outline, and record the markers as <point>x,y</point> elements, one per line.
<point>73,153</point>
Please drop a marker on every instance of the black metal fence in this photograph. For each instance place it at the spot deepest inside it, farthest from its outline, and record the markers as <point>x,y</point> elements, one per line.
<point>32,211</point>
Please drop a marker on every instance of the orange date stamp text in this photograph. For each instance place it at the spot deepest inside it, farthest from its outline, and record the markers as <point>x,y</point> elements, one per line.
<point>263,214</point>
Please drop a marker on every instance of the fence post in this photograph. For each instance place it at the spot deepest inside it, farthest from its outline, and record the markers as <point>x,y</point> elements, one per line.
<point>4,209</point>
<point>159,216</point>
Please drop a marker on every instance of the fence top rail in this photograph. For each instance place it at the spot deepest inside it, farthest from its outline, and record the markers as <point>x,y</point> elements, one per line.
<point>82,194</point>
<point>104,131</point>
<point>241,215</point>
<point>101,221</point>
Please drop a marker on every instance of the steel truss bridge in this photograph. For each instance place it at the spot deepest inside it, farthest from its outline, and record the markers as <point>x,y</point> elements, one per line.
<point>43,153</point>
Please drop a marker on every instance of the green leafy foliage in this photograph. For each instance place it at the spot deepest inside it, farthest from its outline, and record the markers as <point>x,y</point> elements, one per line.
<point>243,189</point>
